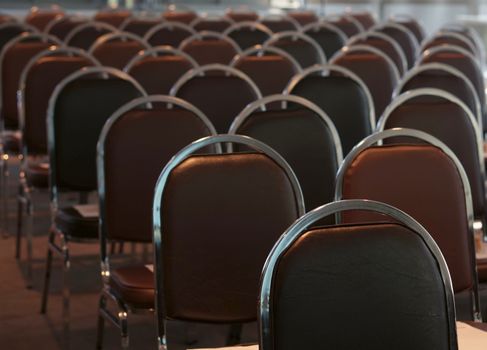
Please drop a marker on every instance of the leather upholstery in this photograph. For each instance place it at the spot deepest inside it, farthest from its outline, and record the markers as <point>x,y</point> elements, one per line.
<point>241,16</point>
<point>246,37</point>
<point>81,110</point>
<point>344,101</point>
<point>365,18</point>
<point>304,17</point>
<point>136,150</point>
<point>329,41</point>
<point>8,33</point>
<point>271,73</point>
<point>117,53</point>
<point>305,142</point>
<point>62,28</point>
<point>169,36</point>
<point>148,72</point>
<point>239,205</point>
<point>220,98</point>
<point>210,51</point>
<point>386,47</point>
<point>180,16</point>
<point>140,26</point>
<point>404,41</point>
<point>448,40</point>
<point>74,226</point>
<point>214,25</point>
<point>115,18</point>
<point>86,37</point>
<point>305,53</point>
<point>338,287</point>
<point>134,285</point>
<point>414,178</point>
<point>41,19</point>
<point>14,63</point>
<point>375,73</point>
<point>414,27</point>
<point>482,270</point>
<point>277,25</point>
<point>347,26</point>
<point>41,81</point>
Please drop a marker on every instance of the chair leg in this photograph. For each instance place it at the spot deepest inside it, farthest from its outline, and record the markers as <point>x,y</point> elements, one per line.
<point>66,292</point>
<point>47,276</point>
<point>234,334</point>
<point>20,212</point>
<point>124,330</point>
<point>4,190</point>
<point>29,228</point>
<point>101,322</point>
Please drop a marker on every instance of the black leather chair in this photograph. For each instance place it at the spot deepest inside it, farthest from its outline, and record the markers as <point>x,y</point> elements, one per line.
<point>404,37</point>
<point>330,38</point>
<point>248,34</point>
<point>210,47</point>
<point>85,34</point>
<point>168,33</point>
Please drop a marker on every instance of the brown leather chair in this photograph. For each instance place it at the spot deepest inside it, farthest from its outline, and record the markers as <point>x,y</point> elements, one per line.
<point>280,23</point>
<point>117,49</point>
<point>40,18</point>
<point>376,70</point>
<point>303,135</point>
<point>10,30</point>
<point>413,177</point>
<point>248,34</point>
<point>334,287</point>
<point>113,17</point>
<point>342,95</point>
<point>180,16</point>
<point>468,32</point>
<point>210,47</point>
<point>328,36</point>
<point>450,38</point>
<point>270,68</point>
<point>242,15</point>
<point>37,82</point>
<point>412,24</point>
<point>210,23</point>
<point>61,26</point>
<point>303,48</point>
<point>78,109</point>
<point>231,225</point>
<point>347,24</point>
<point>219,91</point>
<point>303,17</point>
<point>84,35</point>
<point>158,69</point>
<point>366,19</point>
<point>168,33</point>
<point>139,26</point>
<point>157,133</point>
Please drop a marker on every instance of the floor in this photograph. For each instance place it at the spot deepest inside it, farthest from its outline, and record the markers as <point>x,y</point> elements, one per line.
<point>23,327</point>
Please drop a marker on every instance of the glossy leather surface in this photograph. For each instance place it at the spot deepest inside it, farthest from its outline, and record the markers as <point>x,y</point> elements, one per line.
<point>134,285</point>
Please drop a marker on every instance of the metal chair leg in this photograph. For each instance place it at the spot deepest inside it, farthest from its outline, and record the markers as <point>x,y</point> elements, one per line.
<point>29,228</point>
<point>66,293</point>
<point>20,211</point>
<point>47,276</point>
<point>4,190</point>
<point>124,330</point>
<point>101,322</point>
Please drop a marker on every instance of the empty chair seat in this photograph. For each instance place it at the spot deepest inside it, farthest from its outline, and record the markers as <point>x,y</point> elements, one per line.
<point>169,33</point>
<point>113,17</point>
<point>248,34</point>
<point>280,23</point>
<point>328,36</point>
<point>213,24</point>
<point>210,47</point>
<point>84,35</point>
<point>404,38</point>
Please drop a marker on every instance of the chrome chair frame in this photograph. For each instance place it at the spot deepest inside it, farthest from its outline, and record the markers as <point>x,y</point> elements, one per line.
<point>91,24</point>
<point>50,25</point>
<point>402,28</point>
<point>397,19</point>
<point>27,27</point>
<point>280,18</point>
<point>250,25</point>
<point>54,231</point>
<point>170,25</point>
<point>316,26</point>
<point>377,138</point>
<point>296,230</point>
<point>259,50</point>
<point>453,35</point>
<point>120,320</point>
<point>154,51</point>
<point>208,17</point>
<point>337,17</point>
<point>475,36</point>
<point>124,36</point>
<point>159,193</point>
<point>209,34</point>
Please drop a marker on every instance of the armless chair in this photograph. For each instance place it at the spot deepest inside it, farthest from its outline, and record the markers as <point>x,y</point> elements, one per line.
<point>40,18</point>
<point>61,26</point>
<point>248,34</point>
<point>10,30</point>
<point>365,18</point>
<point>183,15</point>
<point>242,14</point>
<point>211,23</point>
<point>451,38</point>
<point>85,34</point>
<point>468,32</point>
<point>139,25</point>
<point>114,17</point>
<point>328,36</point>
<point>168,33</point>
<point>277,23</point>
<point>412,24</point>
<point>78,109</point>
<point>240,205</point>
<point>304,17</point>
<point>347,24</point>
<point>338,287</point>
<point>210,47</point>
<point>413,177</point>
<point>157,127</point>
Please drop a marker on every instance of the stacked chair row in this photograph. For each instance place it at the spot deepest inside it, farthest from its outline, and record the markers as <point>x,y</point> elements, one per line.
<point>242,192</point>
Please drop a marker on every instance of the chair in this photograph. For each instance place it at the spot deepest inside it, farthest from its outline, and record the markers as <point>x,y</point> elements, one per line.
<point>404,38</point>
<point>385,44</point>
<point>219,91</point>
<point>157,133</point>
<point>158,69</point>
<point>347,24</point>
<point>242,15</point>
<point>269,68</point>
<point>168,33</point>
<point>114,17</point>
<point>184,16</point>
<point>328,36</point>
<point>278,23</point>
<point>303,48</point>
<point>366,19</point>
<point>78,109</point>
<point>412,24</point>
<point>117,49</point>
<point>84,35</point>
<point>379,274</point>
<point>303,135</point>
<point>342,95</point>
<point>230,218</point>
<point>450,38</point>
<point>37,82</point>
<point>469,33</point>
<point>413,177</point>
<point>210,47</point>
<point>248,34</point>
<point>62,25</point>
<point>40,18</point>
<point>11,30</point>
<point>303,17</point>
<point>375,68</point>
<point>139,25</point>
<point>211,23</point>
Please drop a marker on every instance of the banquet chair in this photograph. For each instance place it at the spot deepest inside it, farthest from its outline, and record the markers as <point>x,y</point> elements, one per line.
<point>451,38</point>
<point>211,23</point>
<point>365,18</point>
<point>277,23</point>
<point>168,33</point>
<point>139,25</point>
<point>61,26</point>
<point>85,34</point>
<point>347,24</point>
<point>404,38</point>
<point>179,15</point>
<point>219,91</point>
<point>78,109</point>
<point>342,95</point>
<point>468,32</point>
<point>157,127</point>
<point>328,36</point>
<point>412,24</point>
<point>240,205</point>
<point>210,47</point>
<point>40,18</point>
<point>114,17</point>
<point>242,14</point>
<point>303,17</point>
<point>381,275</point>
<point>248,34</point>
<point>413,177</point>
<point>10,30</point>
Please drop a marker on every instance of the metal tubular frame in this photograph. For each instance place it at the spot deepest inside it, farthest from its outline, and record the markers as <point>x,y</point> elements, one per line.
<point>91,24</point>
<point>170,26</point>
<point>236,26</point>
<point>316,26</point>
<point>454,35</point>
<point>209,34</point>
<point>280,18</point>
<point>154,51</point>
<point>259,50</point>
<point>124,36</point>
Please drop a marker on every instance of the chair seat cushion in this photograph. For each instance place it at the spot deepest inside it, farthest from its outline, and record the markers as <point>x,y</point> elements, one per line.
<point>482,270</point>
<point>11,142</point>
<point>75,226</point>
<point>37,175</point>
<point>134,284</point>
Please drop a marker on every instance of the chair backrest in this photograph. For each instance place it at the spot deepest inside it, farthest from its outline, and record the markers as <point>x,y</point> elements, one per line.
<point>230,225</point>
<point>303,48</point>
<point>269,68</point>
<point>248,34</point>
<point>365,18</point>
<point>303,135</point>
<point>168,33</point>
<point>10,30</point>
<point>37,82</point>
<point>78,109</point>
<point>40,18</point>
<point>347,24</point>
<point>139,25</point>
<point>13,58</point>
<point>84,35</point>
<point>242,15</point>
<point>210,47</point>
<point>413,177</point>
<point>61,26</point>
<point>376,70</point>
<point>328,36</point>
<point>412,24</point>
<point>278,23</point>
<point>113,17</point>
<point>450,38</point>
<point>117,49</point>
<point>219,91</point>
<point>468,32</point>
<point>158,69</point>
<point>211,23</point>
<point>444,77</point>
<point>342,95</point>
<point>303,17</point>
<point>180,16</point>
<point>134,145</point>
<point>403,37</point>
<point>316,279</point>
<point>385,44</point>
